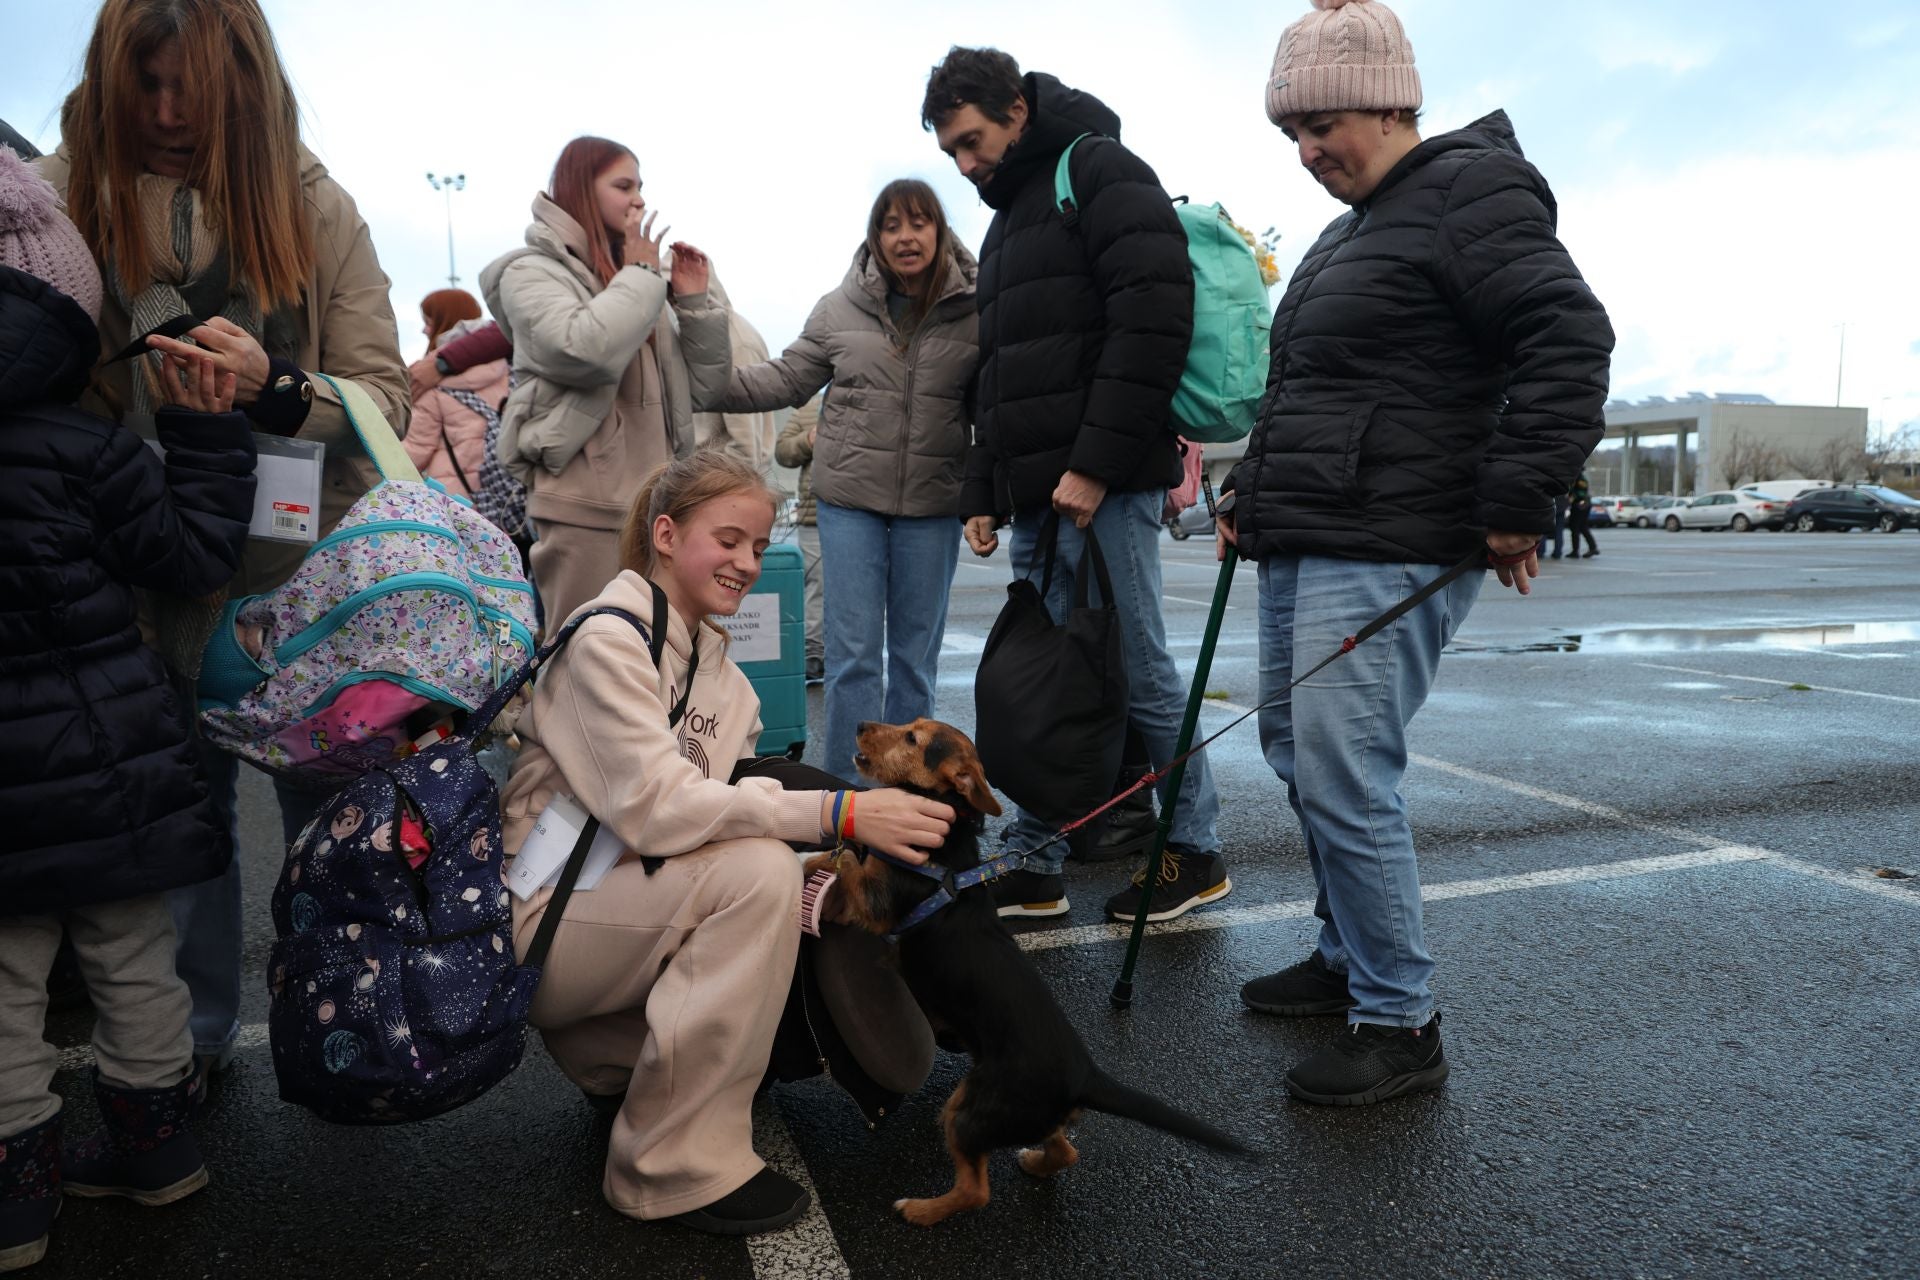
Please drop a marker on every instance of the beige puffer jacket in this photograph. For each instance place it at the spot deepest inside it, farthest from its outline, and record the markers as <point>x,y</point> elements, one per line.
<point>582,429</point>
<point>346,331</point>
<point>895,431</point>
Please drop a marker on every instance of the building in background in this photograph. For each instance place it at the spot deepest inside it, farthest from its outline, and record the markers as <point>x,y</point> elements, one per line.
<point>1703,443</point>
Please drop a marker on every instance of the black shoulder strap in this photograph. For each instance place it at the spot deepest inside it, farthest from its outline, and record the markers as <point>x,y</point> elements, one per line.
<point>570,874</point>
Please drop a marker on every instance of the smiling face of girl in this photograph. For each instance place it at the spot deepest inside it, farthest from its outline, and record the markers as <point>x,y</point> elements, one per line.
<point>707,561</point>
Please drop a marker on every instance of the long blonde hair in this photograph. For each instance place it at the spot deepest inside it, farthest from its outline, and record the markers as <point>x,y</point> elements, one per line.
<point>246,161</point>
<point>678,489</point>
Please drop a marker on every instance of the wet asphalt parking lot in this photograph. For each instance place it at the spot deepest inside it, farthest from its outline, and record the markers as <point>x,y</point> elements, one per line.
<point>1681,1006</point>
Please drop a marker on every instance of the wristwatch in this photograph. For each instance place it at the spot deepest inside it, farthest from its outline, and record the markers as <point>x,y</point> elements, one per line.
<point>440,363</point>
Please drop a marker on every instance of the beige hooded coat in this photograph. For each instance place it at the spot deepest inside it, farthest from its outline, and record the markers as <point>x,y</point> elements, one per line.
<point>346,330</point>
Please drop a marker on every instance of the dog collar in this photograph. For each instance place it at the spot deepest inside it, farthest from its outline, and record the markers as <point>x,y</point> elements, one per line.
<point>951,884</point>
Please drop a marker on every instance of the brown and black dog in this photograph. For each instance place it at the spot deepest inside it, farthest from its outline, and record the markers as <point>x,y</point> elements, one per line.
<point>1031,1073</point>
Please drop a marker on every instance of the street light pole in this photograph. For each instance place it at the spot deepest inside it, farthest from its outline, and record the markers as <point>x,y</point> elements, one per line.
<point>449,184</point>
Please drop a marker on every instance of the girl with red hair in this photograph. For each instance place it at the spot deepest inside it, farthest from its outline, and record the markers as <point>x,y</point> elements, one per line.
<point>601,396</point>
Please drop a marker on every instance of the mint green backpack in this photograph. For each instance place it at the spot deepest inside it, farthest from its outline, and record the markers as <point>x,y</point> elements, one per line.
<point>1226,371</point>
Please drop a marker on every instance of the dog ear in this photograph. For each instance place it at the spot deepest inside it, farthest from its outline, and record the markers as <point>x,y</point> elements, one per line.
<point>966,777</point>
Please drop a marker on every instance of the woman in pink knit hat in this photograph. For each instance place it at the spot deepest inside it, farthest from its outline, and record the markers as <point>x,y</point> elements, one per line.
<point>1439,368</point>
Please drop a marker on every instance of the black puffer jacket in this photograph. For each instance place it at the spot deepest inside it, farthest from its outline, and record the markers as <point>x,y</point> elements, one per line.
<point>1439,367</point>
<point>1083,329</point>
<point>99,783</point>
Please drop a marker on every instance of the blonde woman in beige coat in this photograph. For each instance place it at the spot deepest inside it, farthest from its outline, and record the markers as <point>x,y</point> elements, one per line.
<point>602,396</point>
<point>244,228</point>
<point>663,990</point>
<point>899,340</point>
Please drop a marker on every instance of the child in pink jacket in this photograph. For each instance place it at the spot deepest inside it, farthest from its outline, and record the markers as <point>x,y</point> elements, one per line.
<point>665,984</point>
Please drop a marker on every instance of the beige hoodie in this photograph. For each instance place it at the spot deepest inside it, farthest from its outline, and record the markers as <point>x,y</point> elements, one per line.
<point>597,731</point>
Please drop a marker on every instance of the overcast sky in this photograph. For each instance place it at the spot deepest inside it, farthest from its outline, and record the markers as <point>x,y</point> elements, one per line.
<point>1737,178</point>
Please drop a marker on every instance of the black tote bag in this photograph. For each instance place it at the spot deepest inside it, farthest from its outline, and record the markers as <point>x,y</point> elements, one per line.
<point>1050,699</point>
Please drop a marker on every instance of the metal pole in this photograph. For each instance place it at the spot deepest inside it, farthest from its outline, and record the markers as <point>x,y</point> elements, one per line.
<point>447,185</point>
<point>1122,996</point>
<point>452,278</point>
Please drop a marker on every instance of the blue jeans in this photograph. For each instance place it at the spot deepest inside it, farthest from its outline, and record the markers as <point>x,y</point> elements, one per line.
<point>1128,526</point>
<point>208,917</point>
<point>1339,742</point>
<point>887,579</point>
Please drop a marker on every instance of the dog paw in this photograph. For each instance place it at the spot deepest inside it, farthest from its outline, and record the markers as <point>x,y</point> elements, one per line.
<point>1033,1162</point>
<point>921,1213</point>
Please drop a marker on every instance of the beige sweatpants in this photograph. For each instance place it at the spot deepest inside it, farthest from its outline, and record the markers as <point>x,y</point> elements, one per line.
<point>140,1036</point>
<point>571,565</point>
<point>670,988</point>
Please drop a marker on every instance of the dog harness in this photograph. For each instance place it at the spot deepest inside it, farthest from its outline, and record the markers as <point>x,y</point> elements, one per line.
<point>951,884</point>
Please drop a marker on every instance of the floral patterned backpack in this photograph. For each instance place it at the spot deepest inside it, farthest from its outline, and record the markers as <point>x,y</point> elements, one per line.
<point>413,609</point>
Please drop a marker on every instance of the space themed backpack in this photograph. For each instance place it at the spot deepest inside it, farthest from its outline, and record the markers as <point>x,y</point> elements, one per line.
<point>395,992</point>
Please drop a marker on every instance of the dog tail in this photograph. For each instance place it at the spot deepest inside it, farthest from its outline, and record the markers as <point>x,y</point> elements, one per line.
<point>1104,1093</point>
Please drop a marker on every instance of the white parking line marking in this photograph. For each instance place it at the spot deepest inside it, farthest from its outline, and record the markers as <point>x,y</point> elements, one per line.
<point>1858,881</point>
<point>1204,604</point>
<point>806,1250</point>
<point>1269,913</point>
<point>1784,684</point>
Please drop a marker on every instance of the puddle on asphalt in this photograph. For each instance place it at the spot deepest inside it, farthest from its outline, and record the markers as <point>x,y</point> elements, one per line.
<point>1685,639</point>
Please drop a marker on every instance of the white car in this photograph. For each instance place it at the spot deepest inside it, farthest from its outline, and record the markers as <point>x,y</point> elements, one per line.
<point>1728,509</point>
<point>1788,490</point>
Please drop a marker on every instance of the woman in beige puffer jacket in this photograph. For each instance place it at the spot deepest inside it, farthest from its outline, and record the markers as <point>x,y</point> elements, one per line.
<point>602,396</point>
<point>899,340</point>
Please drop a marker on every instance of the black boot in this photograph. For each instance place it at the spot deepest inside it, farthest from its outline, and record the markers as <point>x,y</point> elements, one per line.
<point>1122,831</point>
<point>144,1150</point>
<point>29,1193</point>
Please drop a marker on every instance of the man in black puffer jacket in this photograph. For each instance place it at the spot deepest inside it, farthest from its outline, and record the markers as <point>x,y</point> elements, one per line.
<point>1438,373</point>
<point>1084,325</point>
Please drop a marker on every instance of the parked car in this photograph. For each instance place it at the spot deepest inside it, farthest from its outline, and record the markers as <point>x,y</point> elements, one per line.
<point>1647,507</point>
<point>1600,513</point>
<point>1191,521</point>
<point>1857,507</point>
<point>1619,510</point>
<point>1727,509</point>
<point>1787,489</point>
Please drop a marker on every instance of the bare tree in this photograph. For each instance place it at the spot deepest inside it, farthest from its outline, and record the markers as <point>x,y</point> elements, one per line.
<point>1888,450</point>
<point>1737,459</point>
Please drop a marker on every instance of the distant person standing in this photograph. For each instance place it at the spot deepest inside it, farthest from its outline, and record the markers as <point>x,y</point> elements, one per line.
<point>192,212</point>
<point>1439,368</point>
<point>1580,518</point>
<point>795,449</point>
<point>898,340</point>
<point>601,399</point>
<point>1559,528</point>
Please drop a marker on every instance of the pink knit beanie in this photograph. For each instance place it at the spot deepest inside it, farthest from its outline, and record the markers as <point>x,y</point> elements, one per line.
<point>1347,55</point>
<point>35,236</point>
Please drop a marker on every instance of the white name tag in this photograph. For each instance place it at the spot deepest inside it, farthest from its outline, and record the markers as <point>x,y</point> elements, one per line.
<point>286,490</point>
<point>544,854</point>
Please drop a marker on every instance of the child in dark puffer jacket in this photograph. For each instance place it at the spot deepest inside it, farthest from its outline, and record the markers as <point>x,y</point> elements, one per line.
<point>105,805</point>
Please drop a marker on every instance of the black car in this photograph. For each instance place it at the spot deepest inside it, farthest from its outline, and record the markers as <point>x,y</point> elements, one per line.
<point>1861,507</point>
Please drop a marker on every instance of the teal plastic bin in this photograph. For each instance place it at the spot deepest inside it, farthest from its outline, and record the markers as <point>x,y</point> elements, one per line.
<point>770,646</point>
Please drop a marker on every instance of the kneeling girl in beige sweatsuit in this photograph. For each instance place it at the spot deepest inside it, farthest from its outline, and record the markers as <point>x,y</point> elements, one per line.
<point>667,987</point>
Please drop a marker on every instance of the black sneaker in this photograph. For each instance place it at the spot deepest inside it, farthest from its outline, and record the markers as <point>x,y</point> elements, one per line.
<point>1299,990</point>
<point>1186,881</point>
<point>1371,1063</point>
<point>767,1202</point>
<point>1027,893</point>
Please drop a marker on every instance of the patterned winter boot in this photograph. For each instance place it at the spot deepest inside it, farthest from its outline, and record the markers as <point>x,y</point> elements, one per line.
<point>144,1151</point>
<point>29,1193</point>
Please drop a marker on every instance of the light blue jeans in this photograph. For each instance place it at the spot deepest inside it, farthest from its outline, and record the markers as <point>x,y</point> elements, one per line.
<point>887,579</point>
<point>1339,742</point>
<point>1128,527</point>
<point>208,917</point>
